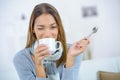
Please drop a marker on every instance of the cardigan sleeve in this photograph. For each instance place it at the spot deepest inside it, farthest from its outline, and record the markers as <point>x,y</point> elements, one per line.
<point>72,72</point>
<point>23,67</point>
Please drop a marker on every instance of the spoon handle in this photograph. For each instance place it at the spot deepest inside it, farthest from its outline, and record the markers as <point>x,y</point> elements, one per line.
<point>89,35</point>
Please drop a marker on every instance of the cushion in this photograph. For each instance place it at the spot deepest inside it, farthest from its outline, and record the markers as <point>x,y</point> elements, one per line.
<point>103,75</point>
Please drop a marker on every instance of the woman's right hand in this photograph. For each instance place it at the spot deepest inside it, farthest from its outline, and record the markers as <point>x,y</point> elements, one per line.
<point>41,51</point>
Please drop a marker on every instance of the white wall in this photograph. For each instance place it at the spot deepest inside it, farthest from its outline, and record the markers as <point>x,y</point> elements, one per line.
<point>13,30</point>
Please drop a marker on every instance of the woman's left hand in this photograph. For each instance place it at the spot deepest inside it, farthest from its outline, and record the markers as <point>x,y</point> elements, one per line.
<point>78,47</point>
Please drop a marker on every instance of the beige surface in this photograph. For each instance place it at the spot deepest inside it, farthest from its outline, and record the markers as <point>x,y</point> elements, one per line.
<point>102,75</point>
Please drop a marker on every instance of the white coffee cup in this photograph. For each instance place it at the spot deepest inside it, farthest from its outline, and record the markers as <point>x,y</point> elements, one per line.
<point>51,43</point>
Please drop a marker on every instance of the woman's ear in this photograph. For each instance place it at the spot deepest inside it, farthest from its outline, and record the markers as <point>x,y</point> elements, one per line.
<point>33,31</point>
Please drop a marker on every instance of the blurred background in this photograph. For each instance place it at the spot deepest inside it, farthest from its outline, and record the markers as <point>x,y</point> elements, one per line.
<point>78,17</point>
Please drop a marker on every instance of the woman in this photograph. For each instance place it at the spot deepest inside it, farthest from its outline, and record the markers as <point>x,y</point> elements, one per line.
<point>45,22</point>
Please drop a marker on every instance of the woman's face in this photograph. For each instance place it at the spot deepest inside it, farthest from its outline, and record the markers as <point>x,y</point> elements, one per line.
<point>45,26</point>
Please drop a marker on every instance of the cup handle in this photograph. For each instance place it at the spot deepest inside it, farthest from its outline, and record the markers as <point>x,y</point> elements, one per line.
<point>57,53</point>
<point>60,49</point>
<point>58,42</point>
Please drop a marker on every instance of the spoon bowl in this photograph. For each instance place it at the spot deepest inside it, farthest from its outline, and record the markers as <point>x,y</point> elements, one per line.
<point>94,30</point>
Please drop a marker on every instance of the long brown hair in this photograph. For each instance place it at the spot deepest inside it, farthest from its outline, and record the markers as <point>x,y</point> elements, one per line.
<point>49,9</point>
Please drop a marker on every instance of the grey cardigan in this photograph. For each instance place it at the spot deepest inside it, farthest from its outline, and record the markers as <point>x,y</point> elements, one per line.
<point>26,68</point>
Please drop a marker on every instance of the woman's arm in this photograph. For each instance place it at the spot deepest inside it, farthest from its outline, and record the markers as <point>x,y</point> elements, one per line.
<point>40,71</point>
<point>23,67</point>
<point>74,58</point>
<point>40,52</point>
<point>76,49</point>
<point>70,61</point>
<point>70,72</point>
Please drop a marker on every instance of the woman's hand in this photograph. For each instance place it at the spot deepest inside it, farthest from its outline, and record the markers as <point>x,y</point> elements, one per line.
<point>78,47</point>
<point>40,53</point>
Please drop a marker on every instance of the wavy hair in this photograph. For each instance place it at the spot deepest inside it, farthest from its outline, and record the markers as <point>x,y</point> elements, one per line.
<point>45,8</point>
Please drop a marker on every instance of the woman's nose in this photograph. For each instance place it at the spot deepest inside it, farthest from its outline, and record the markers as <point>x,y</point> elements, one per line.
<point>47,34</point>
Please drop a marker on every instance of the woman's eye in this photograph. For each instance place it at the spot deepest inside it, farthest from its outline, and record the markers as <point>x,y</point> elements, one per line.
<point>54,27</point>
<point>40,28</point>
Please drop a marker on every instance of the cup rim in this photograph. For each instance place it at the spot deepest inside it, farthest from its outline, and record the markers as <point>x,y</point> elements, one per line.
<point>46,38</point>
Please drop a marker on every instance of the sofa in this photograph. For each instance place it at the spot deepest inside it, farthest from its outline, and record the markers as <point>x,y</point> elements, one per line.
<point>97,69</point>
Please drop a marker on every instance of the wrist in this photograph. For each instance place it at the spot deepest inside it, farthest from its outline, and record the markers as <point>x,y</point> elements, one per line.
<point>70,61</point>
<point>70,57</point>
<point>38,63</point>
<point>40,71</point>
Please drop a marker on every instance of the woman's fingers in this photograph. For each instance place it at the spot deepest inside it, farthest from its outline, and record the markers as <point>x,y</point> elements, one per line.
<point>80,46</point>
<point>40,53</point>
<point>84,41</point>
<point>87,40</point>
<point>41,48</point>
<point>43,53</point>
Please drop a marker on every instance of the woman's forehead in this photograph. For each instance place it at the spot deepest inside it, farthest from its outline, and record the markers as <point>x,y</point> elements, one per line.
<point>45,19</point>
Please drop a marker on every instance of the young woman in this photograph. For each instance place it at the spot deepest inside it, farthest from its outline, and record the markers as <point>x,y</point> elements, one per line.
<point>45,22</point>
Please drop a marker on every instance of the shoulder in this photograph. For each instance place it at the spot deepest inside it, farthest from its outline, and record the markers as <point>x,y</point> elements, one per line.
<point>21,57</point>
<point>20,53</point>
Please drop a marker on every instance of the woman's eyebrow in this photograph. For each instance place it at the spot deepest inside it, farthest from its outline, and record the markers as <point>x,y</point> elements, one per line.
<point>40,25</point>
<point>53,24</point>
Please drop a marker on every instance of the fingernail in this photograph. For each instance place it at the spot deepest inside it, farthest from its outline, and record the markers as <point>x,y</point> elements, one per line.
<point>80,47</point>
